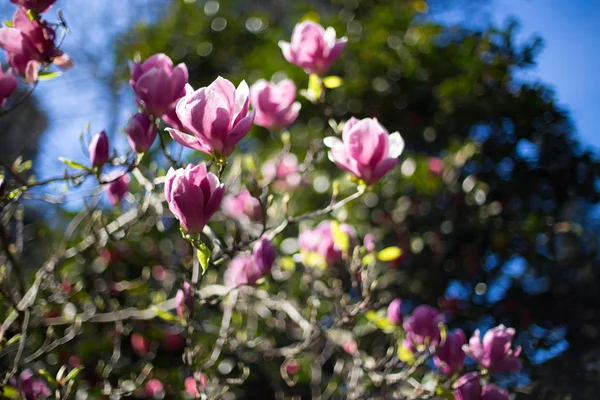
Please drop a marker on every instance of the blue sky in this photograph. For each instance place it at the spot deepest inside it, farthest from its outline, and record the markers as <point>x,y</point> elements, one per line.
<point>570,61</point>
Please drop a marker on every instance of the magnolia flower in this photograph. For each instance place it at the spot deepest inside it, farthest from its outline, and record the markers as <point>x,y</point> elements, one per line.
<point>494,353</point>
<point>366,150</point>
<point>37,6</point>
<point>157,84</point>
<point>141,132</point>
<point>422,327</point>
<point>274,104</point>
<point>193,195</point>
<point>313,48</point>
<point>449,357</point>
<point>217,116</point>
<point>29,43</point>
<point>320,240</point>
<point>8,84</point>
<point>99,149</point>
<point>394,312</point>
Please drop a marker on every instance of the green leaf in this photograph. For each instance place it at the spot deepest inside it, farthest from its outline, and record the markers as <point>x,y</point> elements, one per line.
<point>10,392</point>
<point>340,238</point>
<point>367,260</point>
<point>8,23</point>
<point>444,393</point>
<point>405,355</point>
<point>71,163</point>
<point>203,256</point>
<point>15,193</point>
<point>14,339</point>
<point>314,90</point>
<point>73,374</point>
<point>389,253</point>
<point>48,75</point>
<point>163,314</point>
<point>332,82</point>
<point>287,264</point>
<point>47,375</point>
<point>24,167</point>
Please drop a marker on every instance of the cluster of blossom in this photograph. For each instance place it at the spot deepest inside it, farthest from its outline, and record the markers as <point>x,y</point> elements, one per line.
<point>493,354</point>
<point>30,45</point>
<point>213,120</point>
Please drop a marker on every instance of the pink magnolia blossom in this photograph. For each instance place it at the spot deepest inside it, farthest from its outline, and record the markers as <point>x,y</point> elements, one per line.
<point>468,387</point>
<point>157,84</point>
<point>493,392</point>
<point>449,357</point>
<point>264,255</point>
<point>141,132</point>
<point>274,104</point>
<point>242,271</point>
<point>154,389</point>
<point>217,116</point>
<point>494,352</point>
<point>8,84</point>
<point>37,6</point>
<point>394,312</point>
<point>99,149</point>
<point>30,386</point>
<point>193,195</point>
<point>283,172</point>
<point>184,299</point>
<point>242,206</point>
<point>117,189</point>
<point>422,327</point>
<point>320,240</point>
<point>366,150</point>
<point>313,48</point>
<point>29,44</point>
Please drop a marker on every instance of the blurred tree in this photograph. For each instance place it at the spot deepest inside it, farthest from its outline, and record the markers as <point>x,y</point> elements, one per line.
<point>491,204</point>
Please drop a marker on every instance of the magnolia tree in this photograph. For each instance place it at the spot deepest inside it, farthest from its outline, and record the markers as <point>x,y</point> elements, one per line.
<point>243,285</point>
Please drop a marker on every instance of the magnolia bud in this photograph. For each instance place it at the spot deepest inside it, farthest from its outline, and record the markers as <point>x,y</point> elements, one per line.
<point>99,149</point>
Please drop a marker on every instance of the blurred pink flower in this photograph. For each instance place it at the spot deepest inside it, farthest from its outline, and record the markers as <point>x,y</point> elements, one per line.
<point>8,84</point>
<point>241,206</point>
<point>313,48</point>
<point>157,84</point>
<point>274,104</point>
<point>494,352</point>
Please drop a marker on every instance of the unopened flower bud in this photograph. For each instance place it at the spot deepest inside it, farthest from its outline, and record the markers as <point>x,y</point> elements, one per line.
<point>99,149</point>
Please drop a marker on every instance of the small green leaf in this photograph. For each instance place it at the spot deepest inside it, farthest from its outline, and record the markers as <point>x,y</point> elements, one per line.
<point>73,374</point>
<point>24,167</point>
<point>367,260</point>
<point>48,75</point>
<point>313,260</point>
<point>314,87</point>
<point>389,254</point>
<point>13,339</point>
<point>71,163</point>
<point>15,193</point>
<point>10,392</point>
<point>287,264</point>
<point>340,238</point>
<point>332,82</point>
<point>163,314</point>
<point>444,393</point>
<point>405,355</point>
<point>203,256</point>
<point>47,375</point>
<point>8,23</point>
